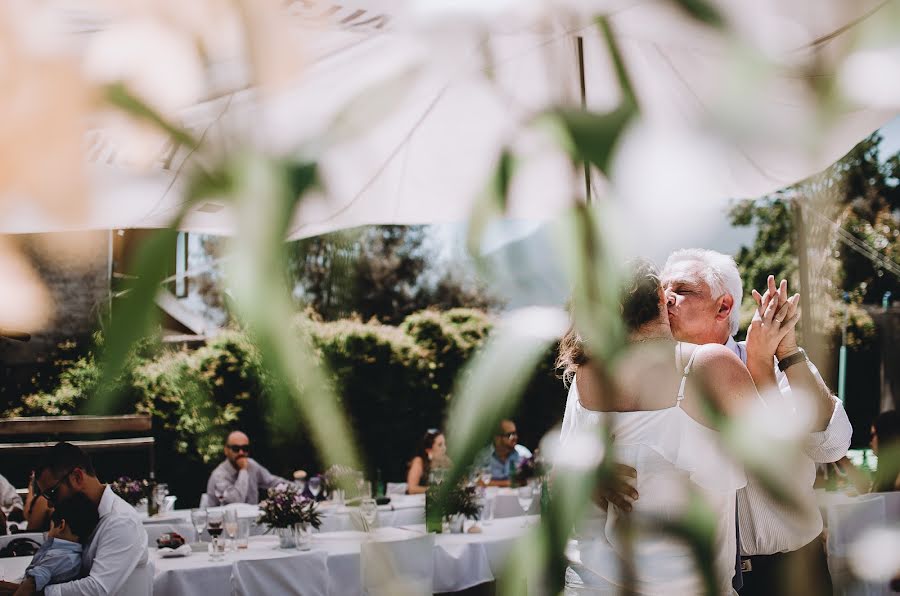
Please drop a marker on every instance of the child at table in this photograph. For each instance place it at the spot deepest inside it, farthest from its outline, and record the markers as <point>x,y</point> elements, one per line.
<point>59,558</point>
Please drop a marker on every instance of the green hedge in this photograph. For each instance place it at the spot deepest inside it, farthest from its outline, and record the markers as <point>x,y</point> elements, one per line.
<point>394,382</point>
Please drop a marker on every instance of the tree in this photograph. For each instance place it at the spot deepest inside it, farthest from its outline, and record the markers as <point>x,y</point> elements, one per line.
<point>381,272</point>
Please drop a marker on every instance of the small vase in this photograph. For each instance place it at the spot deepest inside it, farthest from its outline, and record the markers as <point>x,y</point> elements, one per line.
<point>456,523</point>
<point>302,536</point>
<point>286,537</point>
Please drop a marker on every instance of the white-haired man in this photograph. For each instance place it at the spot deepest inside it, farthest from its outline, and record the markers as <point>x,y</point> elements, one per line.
<point>704,293</point>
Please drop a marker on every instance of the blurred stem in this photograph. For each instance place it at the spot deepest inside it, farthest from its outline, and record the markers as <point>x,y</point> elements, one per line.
<point>118,95</point>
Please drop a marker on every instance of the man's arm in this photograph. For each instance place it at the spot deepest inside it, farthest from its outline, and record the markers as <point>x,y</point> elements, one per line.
<point>123,543</point>
<point>235,491</point>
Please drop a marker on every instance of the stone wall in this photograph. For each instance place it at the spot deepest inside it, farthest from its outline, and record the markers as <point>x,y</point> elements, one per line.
<point>75,270</point>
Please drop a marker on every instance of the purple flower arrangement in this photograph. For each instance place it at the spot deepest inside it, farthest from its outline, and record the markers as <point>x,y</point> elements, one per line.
<point>131,491</point>
<point>285,506</point>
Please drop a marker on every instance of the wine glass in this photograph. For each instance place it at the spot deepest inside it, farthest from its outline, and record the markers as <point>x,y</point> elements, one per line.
<point>198,518</point>
<point>219,490</point>
<point>485,476</point>
<point>369,509</point>
<point>7,504</point>
<point>231,524</point>
<point>214,523</point>
<point>526,495</point>
<point>315,486</point>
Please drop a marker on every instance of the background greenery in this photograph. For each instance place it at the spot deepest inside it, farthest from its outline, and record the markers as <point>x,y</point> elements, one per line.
<point>393,381</point>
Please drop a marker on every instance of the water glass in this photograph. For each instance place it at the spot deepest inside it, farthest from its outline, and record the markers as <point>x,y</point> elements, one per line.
<point>198,518</point>
<point>243,532</point>
<point>365,490</point>
<point>487,509</point>
<point>231,524</point>
<point>315,486</point>
<point>369,509</point>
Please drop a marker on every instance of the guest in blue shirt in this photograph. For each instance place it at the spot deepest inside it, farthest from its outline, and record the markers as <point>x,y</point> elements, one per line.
<point>59,558</point>
<point>505,455</point>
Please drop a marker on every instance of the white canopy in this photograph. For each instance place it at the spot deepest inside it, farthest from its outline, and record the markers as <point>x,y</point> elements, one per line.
<point>433,135</point>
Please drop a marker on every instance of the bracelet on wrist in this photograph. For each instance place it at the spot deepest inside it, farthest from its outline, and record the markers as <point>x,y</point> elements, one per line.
<point>796,357</point>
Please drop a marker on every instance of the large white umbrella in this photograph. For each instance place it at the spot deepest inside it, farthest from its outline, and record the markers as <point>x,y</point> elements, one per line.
<point>430,139</point>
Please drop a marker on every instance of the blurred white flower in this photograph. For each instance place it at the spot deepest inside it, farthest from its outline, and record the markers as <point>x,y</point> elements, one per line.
<point>25,304</point>
<point>875,555</point>
<point>41,134</point>
<point>157,63</point>
<point>864,77</point>
<point>583,451</point>
<point>541,322</point>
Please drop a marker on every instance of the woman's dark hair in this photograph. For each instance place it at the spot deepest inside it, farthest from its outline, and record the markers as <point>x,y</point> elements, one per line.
<point>425,444</point>
<point>638,303</point>
<point>887,429</point>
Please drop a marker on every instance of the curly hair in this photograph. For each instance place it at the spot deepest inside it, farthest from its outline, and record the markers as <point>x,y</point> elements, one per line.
<point>638,304</point>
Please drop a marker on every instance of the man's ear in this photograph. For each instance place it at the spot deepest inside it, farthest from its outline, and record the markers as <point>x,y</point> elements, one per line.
<point>726,304</point>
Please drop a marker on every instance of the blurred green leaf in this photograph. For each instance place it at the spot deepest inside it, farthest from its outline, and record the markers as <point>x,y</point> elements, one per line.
<point>594,136</point>
<point>702,11</point>
<point>266,194</point>
<point>134,313</point>
<point>494,381</point>
<point>490,205</point>
<point>118,95</point>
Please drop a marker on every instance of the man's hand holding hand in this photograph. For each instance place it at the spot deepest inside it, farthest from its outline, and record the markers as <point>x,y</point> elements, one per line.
<point>620,491</point>
<point>772,330</point>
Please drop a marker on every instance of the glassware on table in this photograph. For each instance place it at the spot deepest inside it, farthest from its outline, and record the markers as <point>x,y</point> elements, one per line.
<point>198,518</point>
<point>369,509</point>
<point>487,508</point>
<point>243,532</point>
<point>7,504</point>
<point>526,496</point>
<point>214,525</point>
<point>315,486</point>
<point>231,524</point>
<point>365,489</point>
<point>485,477</point>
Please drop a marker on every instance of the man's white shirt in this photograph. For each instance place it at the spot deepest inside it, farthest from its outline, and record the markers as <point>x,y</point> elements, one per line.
<point>766,527</point>
<point>115,559</point>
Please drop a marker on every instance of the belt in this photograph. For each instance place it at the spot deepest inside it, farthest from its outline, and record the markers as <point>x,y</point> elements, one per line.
<point>747,563</point>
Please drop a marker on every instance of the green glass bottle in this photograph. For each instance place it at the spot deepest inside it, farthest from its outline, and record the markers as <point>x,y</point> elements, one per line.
<point>434,515</point>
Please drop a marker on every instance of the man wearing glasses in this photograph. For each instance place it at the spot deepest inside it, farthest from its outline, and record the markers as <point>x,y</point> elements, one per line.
<point>505,455</point>
<point>114,560</point>
<point>239,478</point>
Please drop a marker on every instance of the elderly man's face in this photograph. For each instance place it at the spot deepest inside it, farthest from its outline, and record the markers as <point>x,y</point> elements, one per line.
<point>691,306</point>
<point>237,447</point>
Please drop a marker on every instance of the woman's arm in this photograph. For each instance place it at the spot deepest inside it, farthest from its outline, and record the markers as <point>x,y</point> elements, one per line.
<point>414,477</point>
<point>37,511</point>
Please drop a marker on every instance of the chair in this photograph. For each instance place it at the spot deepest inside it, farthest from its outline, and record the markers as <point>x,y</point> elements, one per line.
<point>399,567</point>
<point>395,488</point>
<point>847,522</point>
<point>305,574</point>
<point>36,536</point>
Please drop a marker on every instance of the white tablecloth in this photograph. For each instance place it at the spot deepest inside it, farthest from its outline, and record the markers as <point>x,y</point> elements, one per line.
<point>403,510</point>
<point>460,561</point>
<point>12,569</point>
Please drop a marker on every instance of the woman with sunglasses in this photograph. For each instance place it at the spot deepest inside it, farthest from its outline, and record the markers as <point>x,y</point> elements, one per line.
<point>432,453</point>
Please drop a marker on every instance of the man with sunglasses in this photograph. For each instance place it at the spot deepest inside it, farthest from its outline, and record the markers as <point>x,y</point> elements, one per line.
<point>239,478</point>
<point>115,558</point>
<point>504,457</point>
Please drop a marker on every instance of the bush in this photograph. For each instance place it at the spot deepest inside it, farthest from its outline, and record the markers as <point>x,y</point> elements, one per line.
<point>393,383</point>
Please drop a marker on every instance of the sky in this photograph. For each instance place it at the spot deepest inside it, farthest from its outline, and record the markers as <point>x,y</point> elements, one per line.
<point>525,266</point>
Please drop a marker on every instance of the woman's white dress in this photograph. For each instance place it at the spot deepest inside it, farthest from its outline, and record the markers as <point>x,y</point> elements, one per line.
<point>675,456</point>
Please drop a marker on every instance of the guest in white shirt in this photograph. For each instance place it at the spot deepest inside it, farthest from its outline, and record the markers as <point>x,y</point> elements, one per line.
<point>704,290</point>
<point>239,478</point>
<point>9,496</point>
<point>115,559</point>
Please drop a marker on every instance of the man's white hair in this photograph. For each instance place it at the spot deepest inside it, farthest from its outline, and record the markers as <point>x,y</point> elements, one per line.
<point>720,273</point>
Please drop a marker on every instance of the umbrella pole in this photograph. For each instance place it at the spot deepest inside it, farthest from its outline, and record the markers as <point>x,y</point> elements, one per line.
<point>579,47</point>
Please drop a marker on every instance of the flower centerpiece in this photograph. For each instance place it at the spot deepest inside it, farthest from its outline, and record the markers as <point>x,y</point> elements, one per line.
<point>290,514</point>
<point>455,506</point>
<point>342,480</point>
<point>131,491</point>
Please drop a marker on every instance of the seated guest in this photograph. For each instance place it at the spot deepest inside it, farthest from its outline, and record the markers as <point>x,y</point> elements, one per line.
<point>239,478</point>
<point>114,559</point>
<point>59,558</point>
<point>505,455</point>
<point>37,511</point>
<point>432,450</point>
<point>9,496</point>
<point>886,445</point>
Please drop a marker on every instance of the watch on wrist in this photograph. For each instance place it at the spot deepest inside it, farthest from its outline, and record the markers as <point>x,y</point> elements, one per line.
<point>788,361</point>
